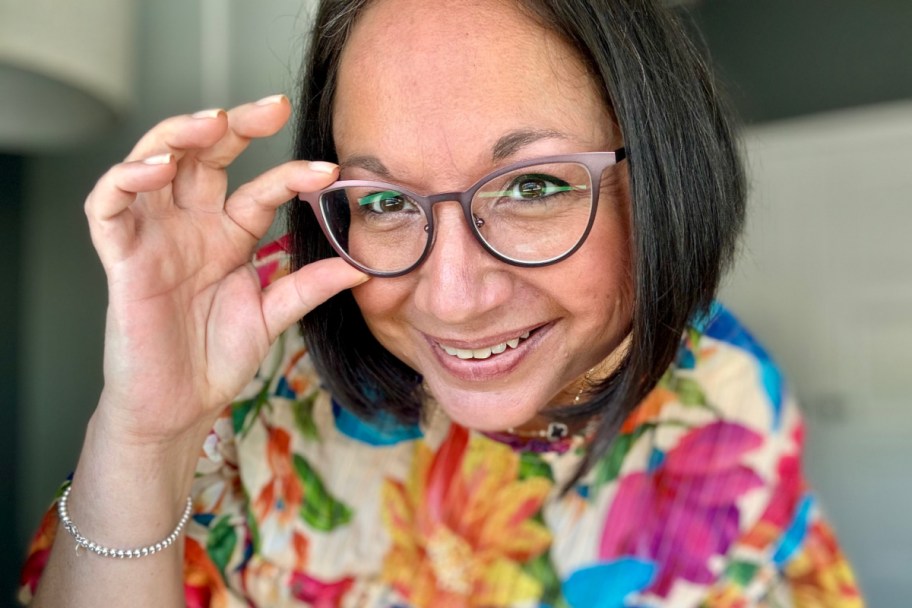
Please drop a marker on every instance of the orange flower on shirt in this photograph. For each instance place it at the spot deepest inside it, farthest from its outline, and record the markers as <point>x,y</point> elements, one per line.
<point>649,409</point>
<point>463,525</point>
<point>277,504</point>
<point>203,585</point>
<point>819,574</point>
<point>298,378</point>
<point>282,494</point>
<point>726,596</point>
<point>38,554</point>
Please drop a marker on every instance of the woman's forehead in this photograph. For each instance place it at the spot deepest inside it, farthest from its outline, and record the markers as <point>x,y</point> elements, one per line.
<point>478,34</point>
<point>431,82</point>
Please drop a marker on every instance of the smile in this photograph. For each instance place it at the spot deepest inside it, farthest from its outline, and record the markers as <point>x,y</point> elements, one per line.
<point>484,352</point>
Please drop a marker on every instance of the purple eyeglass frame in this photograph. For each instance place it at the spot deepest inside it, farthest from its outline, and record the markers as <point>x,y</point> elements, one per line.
<point>595,163</point>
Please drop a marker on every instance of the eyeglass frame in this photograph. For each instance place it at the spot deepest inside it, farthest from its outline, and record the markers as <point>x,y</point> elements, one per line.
<point>595,162</point>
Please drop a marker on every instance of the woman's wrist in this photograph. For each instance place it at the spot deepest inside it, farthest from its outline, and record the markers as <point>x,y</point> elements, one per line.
<point>103,550</point>
<point>127,493</point>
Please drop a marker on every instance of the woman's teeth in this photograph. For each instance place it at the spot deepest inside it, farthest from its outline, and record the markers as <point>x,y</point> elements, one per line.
<point>483,353</point>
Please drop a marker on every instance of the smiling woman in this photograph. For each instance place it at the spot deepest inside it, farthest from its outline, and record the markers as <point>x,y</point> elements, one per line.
<point>513,389</point>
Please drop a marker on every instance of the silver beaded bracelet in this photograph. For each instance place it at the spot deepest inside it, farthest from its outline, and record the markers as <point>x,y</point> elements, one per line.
<point>84,543</point>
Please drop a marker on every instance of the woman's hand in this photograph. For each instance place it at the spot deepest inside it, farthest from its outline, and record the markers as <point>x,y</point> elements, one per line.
<point>187,327</point>
<point>187,322</point>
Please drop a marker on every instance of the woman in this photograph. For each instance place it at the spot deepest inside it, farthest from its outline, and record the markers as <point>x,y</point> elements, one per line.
<point>495,406</point>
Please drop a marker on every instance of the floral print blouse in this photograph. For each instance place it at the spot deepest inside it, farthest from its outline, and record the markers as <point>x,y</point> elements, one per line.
<point>700,502</point>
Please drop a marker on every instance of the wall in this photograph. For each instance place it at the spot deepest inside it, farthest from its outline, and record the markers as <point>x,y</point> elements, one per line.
<point>784,58</point>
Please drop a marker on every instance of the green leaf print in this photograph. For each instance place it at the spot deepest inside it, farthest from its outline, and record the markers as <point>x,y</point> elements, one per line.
<point>254,529</point>
<point>694,336</point>
<point>533,465</point>
<point>542,569</point>
<point>609,467</point>
<point>741,573</point>
<point>689,391</point>
<point>303,415</point>
<point>320,510</point>
<point>220,544</point>
<point>245,412</point>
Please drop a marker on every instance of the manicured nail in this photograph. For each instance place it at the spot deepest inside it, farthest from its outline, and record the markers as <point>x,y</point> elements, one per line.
<point>322,167</point>
<point>213,113</point>
<point>159,159</point>
<point>272,99</point>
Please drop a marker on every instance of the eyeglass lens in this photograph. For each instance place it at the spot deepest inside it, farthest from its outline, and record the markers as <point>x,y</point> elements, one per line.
<point>533,214</point>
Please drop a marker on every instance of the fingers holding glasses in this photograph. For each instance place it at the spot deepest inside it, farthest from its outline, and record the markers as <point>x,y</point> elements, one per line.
<point>295,295</point>
<point>206,142</point>
<point>201,182</point>
<point>178,164</point>
<point>253,205</point>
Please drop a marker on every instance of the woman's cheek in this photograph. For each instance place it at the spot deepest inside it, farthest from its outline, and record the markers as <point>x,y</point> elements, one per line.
<point>383,304</point>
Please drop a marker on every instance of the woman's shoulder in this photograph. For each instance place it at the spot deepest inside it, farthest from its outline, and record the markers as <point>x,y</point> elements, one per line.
<point>704,487</point>
<point>734,371</point>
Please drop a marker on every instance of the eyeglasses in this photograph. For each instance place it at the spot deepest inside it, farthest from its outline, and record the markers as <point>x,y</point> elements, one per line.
<point>530,213</point>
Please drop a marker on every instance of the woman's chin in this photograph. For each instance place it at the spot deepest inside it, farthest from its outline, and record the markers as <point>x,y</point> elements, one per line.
<point>487,411</point>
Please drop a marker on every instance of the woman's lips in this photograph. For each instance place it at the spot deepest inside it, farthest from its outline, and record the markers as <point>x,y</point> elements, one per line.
<point>478,362</point>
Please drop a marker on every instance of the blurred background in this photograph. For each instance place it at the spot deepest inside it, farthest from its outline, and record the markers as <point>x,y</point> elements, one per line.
<point>824,279</point>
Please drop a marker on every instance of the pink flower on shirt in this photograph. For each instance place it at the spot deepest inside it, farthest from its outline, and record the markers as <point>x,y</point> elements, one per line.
<point>685,510</point>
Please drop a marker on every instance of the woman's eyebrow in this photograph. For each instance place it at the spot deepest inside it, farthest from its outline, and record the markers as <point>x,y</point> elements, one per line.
<point>368,163</point>
<point>513,141</point>
<point>505,147</point>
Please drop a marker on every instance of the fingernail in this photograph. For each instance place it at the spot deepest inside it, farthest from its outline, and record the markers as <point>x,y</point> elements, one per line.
<point>213,113</point>
<point>272,99</point>
<point>159,159</point>
<point>322,166</point>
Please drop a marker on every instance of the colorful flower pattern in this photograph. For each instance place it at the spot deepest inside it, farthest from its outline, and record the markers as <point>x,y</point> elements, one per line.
<point>463,524</point>
<point>700,502</point>
<point>684,511</point>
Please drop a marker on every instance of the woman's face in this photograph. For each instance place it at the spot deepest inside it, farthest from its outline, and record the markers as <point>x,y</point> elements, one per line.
<point>427,98</point>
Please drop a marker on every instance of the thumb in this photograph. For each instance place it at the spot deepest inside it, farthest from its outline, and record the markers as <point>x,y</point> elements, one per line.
<point>295,295</point>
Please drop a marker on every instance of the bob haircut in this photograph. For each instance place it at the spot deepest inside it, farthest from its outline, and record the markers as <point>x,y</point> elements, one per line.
<point>687,193</point>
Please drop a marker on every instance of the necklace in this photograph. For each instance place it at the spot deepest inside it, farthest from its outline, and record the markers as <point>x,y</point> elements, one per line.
<point>555,431</point>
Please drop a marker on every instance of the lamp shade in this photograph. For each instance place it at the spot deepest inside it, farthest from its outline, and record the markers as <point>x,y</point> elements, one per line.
<point>65,70</point>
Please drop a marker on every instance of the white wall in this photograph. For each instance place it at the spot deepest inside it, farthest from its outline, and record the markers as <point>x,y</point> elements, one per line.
<point>825,280</point>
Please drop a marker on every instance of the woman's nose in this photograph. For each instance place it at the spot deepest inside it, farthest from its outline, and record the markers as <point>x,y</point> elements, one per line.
<point>459,281</point>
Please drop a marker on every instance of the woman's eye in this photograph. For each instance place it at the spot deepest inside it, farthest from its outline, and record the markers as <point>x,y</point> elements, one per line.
<point>529,187</point>
<point>384,202</point>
